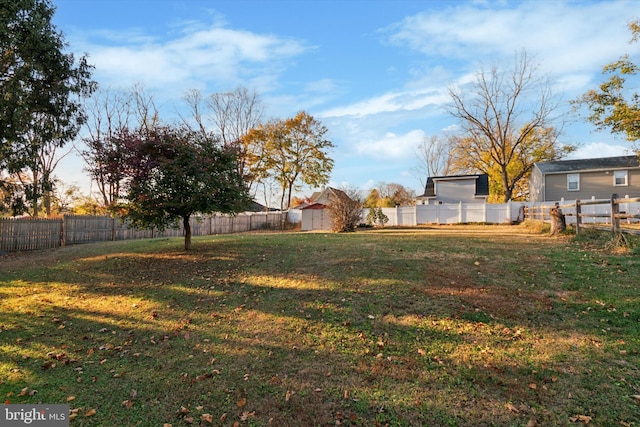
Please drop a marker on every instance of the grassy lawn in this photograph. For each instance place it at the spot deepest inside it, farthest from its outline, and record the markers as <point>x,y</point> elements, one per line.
<point>443,326</point>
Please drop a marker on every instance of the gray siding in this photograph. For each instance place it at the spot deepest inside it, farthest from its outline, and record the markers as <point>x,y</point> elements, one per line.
<point>596,184</point>
<point>456,191</point>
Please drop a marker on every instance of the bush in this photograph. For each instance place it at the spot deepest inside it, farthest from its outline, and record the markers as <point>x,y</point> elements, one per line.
<point>346,210</point>
<point>377,217</point>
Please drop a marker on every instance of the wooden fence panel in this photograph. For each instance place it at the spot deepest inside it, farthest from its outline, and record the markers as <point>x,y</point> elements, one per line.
<point>87,229</point>
<point>26,234</point>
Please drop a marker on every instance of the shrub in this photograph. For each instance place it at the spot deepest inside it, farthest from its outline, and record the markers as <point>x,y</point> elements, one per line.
<point>346,210</point>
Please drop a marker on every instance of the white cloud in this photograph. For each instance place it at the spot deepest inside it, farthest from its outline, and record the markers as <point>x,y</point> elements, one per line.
<point>392,146</point>
<point>567,36</point>
<point>600,149</point>
<point>215,54</point>
<point>391,102</point>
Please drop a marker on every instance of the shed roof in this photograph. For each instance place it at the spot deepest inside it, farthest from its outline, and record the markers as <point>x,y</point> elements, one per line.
<point>561,166</point>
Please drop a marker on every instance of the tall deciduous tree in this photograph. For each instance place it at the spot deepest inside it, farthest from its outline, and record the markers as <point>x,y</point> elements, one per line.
<point>231,115</point>
<point>292,151</point>
<point>40,87</point>
<point>507,118</point>
<point>614,105</point>
<point>172,174</point>
<point>110,111</point>
<point>434,157</point>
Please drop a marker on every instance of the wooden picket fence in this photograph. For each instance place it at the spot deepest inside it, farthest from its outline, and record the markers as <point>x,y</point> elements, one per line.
<point>615,213</point>
<point>27,234</point>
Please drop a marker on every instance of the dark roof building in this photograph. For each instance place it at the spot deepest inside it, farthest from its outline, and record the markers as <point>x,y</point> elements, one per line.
<point>455,189</point>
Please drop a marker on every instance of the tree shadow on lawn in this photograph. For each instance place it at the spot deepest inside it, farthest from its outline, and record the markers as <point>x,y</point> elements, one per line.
<point>352,344</point>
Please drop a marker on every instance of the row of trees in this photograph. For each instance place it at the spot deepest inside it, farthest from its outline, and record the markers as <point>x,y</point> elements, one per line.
<point>150,171</point>
<point>47,98</point>
<point>281,154</point>
<point>507,121</point>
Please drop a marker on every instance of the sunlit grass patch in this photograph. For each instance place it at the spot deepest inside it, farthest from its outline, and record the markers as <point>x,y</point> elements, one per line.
<point>452,326</point>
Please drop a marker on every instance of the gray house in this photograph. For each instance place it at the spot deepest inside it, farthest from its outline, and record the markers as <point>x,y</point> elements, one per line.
<point>455,189</point>
<point>585,179</point>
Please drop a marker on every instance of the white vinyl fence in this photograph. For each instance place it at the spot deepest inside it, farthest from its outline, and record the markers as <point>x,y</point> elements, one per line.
<point>455,213</point>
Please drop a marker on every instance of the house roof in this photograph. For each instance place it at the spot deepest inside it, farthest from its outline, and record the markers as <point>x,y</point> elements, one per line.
<point>316,206</point>
<point>257,207</point>
<point>562,166</point>
<point>482,183</point>
<point>323,198</point>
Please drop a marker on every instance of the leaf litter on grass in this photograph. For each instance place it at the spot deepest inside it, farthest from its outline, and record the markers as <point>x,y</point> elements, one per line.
<point>397,328</point>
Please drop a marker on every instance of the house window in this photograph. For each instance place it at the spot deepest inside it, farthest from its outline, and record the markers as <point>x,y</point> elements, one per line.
<point>573,182</point>
<point>620,178</point>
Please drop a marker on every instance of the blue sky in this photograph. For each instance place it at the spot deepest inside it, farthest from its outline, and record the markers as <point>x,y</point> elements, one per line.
<point>375,72</point>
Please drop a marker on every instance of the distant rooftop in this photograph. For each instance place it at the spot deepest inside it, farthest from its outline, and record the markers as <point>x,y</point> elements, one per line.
<point>558,166</point>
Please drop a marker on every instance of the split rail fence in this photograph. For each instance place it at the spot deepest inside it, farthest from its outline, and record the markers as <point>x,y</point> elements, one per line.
<point>25,234</point>
<point>617,213</point>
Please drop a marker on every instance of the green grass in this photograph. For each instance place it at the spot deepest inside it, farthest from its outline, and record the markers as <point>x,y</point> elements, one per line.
<point>443,326</point>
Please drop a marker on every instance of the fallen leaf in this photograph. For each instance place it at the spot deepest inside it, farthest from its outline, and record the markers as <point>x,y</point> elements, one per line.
<point>223,417</point>
<point>183,411</point>
<point>188,420</point>
<point>24,391</point>
<point>91,412</point>
<point>207,418</point>
<point>70,398</point>
<point>48,364</point>
<point>421,352</point>
<point>127,403</point>
<point>241,402</point>
<point>512,408</point>
<point>580,418</point>
<point>288,395</point>
<point>533,386</point>
<point>246,415</point>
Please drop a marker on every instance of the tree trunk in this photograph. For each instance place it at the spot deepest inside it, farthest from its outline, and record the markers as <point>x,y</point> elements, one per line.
<point>558,223</point>
<point>187,233</point>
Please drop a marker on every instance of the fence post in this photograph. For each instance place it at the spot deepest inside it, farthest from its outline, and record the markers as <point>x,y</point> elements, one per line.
<point>578,216</point>
<point>615,210</point>
<point>63,237</point>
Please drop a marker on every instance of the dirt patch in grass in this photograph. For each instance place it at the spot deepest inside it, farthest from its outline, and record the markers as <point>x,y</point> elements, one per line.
<point>464,326</point>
